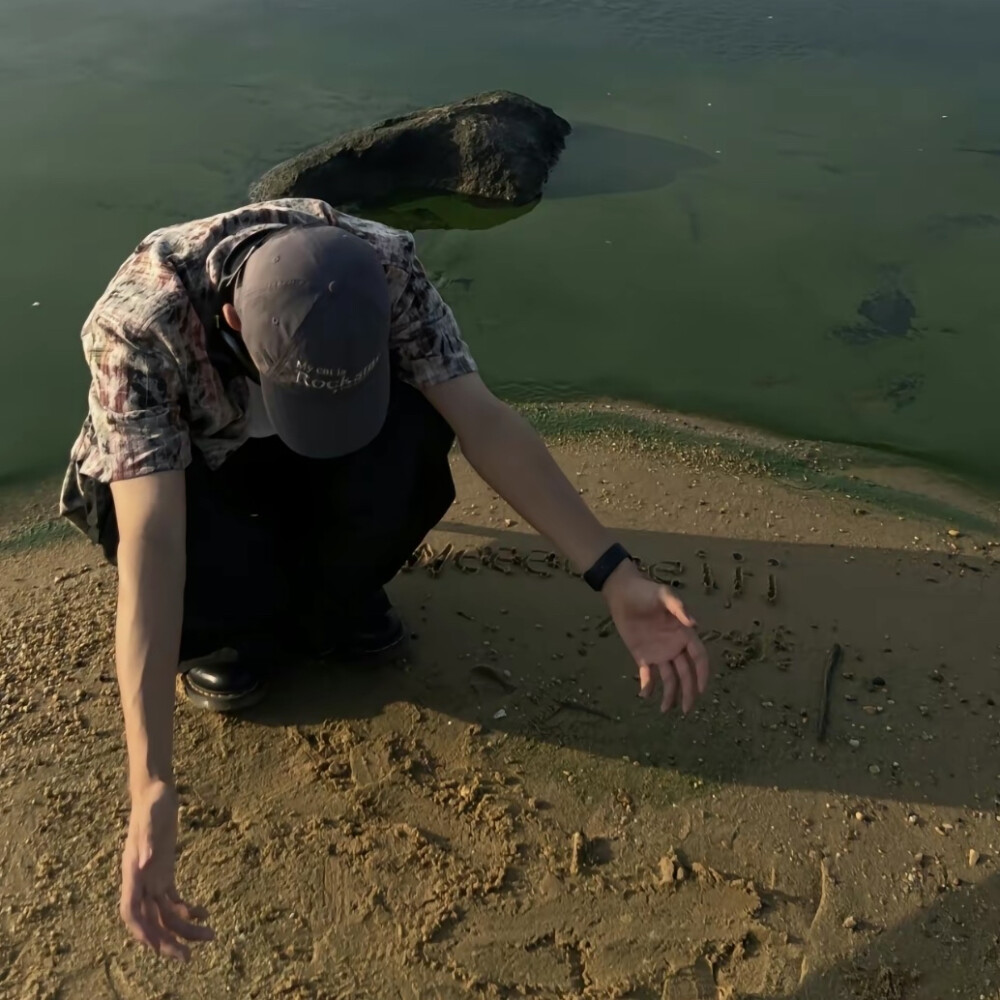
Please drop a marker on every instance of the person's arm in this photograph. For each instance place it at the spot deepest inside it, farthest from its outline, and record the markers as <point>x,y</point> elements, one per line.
<point>151,567</point>
<point>151,524</point>
<point>504,449</point>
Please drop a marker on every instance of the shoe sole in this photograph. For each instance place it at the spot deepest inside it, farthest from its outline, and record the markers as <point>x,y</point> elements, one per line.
<point>219,701</point>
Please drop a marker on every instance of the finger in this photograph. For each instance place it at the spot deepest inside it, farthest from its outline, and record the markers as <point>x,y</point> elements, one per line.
<point>687,680</point>
<point>647,680</point>
<point>675,606</point>
<point>186,910</point>
<point>165,943</point>
<point>131,909</point>
<point>669,681</point>
<point>151,933</point>
<point>178,925</point>
<point>699,657</point>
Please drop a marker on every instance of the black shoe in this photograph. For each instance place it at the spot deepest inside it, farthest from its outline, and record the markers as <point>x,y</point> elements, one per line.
<point>373,633</point>
<point>223,681</point>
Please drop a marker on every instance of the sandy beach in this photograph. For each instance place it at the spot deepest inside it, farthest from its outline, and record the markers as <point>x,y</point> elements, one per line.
<point>501,816</point>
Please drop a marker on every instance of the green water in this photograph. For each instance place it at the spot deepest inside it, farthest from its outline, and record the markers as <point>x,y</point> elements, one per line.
<point>743,176</point>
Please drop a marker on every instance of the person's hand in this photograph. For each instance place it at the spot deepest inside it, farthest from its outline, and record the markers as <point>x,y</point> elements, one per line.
<point>150,906</point>
<point>660,635</point>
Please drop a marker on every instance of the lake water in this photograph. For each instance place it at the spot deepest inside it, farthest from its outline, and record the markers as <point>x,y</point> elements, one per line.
<point>745,176</point>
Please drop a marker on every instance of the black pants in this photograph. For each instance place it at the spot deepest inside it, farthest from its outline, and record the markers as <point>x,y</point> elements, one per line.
<point>282,548</point>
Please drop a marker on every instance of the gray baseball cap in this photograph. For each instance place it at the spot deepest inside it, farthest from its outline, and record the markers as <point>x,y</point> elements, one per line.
<point>314,307</point>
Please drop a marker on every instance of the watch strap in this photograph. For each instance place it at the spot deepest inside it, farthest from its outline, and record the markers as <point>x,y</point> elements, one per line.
<point>597,576</point>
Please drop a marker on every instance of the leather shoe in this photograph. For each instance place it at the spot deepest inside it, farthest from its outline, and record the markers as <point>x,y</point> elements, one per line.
<point>373,632</point>
<point>223,681</point>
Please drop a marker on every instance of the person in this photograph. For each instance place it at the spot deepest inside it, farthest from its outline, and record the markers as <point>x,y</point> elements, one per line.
<point>274,394</point>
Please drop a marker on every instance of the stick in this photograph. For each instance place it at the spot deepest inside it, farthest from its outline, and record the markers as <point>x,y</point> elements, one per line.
<point>824,702</point>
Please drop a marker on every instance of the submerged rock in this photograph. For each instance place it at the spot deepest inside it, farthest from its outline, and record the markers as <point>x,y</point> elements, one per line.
<point>886,313</point>
<point>497,146</point>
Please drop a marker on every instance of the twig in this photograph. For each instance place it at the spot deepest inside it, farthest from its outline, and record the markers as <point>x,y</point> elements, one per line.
<point>824,703</point>
<point>578,706</point>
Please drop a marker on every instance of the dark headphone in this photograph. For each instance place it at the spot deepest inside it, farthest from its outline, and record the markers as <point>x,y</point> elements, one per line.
<point>229,280</point>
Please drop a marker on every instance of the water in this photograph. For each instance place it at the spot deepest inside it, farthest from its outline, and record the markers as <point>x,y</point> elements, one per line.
<point>744,175</point>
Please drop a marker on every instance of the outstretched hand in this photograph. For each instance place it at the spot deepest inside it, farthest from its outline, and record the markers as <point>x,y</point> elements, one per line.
<point>660,635</point>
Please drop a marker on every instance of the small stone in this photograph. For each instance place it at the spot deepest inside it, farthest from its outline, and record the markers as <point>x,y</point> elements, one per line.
<point>954,533</point>
<point>509,522</point>
<point>973,857</point>
<point>850,923</point>
<point>912,819</point>
<point>859,816</point>
<point>500,714</point>
<point>854,743</point>
<point>668,867</point>
<point>874,769</point>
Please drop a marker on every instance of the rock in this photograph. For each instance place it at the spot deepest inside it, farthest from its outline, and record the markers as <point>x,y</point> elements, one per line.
<point>496,146</point>
<point>973,857</point>
<point>851,923</point>
<point>954,533</point>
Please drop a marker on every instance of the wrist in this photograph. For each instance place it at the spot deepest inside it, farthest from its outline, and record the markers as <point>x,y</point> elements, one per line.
<point>140,785</point>
<point>623,575</point>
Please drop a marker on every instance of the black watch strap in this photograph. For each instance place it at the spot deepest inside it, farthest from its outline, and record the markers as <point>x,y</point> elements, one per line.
<point>597,576</point>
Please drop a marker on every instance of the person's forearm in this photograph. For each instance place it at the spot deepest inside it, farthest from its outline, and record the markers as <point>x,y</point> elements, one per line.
<point>510,456</point>
<point>150,607</point>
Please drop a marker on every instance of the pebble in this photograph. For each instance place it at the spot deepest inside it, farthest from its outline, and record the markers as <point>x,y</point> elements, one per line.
<point>854,743</point>
<point>874,769</point>
<point>851,923</point>
<point>954,533</point>
<point>500,714</point>
<point>973,857</point>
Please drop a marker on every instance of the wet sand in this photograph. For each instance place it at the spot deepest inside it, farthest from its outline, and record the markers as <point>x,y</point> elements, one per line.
<point>501,816</point>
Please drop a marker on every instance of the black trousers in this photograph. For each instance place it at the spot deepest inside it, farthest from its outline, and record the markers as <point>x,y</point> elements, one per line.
<point>281,548</point>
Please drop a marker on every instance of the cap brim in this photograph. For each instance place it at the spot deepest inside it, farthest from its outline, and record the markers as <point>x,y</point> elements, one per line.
<point>319,424</point>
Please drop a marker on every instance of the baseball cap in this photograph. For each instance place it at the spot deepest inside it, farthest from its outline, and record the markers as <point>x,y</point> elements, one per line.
<point>314,308</point>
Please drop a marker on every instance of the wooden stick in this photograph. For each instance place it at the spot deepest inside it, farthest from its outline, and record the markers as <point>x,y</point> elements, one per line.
<point>824,702</point>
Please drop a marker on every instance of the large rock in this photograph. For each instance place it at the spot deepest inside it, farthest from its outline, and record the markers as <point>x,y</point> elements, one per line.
<point>497,146</point>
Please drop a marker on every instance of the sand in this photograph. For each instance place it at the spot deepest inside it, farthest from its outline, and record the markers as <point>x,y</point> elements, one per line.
<point>501,816</point>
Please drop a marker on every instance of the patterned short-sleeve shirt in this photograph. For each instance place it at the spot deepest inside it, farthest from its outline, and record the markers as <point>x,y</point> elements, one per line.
<point>157,390</point>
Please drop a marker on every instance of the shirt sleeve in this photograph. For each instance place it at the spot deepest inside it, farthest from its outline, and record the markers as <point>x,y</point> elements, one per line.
<point>426,342</point>
<point>135,402</point>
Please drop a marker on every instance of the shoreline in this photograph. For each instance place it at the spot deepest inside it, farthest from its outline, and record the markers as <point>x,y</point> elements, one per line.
<point>28,516</point>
